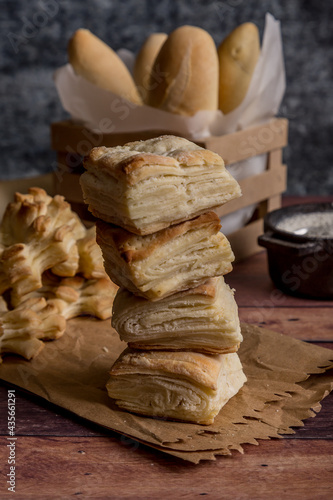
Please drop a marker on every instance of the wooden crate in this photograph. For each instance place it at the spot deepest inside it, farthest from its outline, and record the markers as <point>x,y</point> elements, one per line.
<point>72,141</point>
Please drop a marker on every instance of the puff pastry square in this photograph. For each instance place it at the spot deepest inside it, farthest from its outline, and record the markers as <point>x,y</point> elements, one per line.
<point>171,260</point>
<point>185,386</point>
<point>203,319</point>
<point>145,186</point>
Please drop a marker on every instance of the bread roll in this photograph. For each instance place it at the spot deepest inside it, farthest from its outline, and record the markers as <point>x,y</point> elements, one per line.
<point>100,65</point>
<point>144,61</point>
<point>184,77</point>
<point>238,56</point>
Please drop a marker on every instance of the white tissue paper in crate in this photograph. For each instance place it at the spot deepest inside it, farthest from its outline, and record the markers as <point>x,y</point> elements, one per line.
<point>104,112</point>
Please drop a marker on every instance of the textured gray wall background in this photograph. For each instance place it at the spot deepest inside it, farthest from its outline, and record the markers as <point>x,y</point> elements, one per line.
<point>34,36</point>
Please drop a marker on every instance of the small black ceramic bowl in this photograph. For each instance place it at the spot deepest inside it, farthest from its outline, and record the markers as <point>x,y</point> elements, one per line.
<point>299,243</point>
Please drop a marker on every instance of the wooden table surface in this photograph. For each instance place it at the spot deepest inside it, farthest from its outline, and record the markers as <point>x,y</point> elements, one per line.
<point>59,456</point>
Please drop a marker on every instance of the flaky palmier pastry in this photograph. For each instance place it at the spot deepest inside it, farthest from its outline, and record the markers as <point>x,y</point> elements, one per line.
<point>4,279</point>
<point>23,328</point>
<point>185,386</point>
<point>21,216</point>
<point>203,319</point>
<point>90,256</point>
<point>145,186</point>
<point>38,233</point>
<point>171,260</point>
<point>79,297</point>
<point>75,296</point>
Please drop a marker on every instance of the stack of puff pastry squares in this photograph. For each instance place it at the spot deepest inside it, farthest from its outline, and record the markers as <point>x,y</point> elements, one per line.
<point>162,245</point>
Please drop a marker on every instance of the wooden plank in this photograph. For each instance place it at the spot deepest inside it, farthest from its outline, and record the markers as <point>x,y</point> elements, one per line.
<point>37,417</point>
<point>69,187</point>
<point>250,142</point>
<point>100,467</point>
<point>298,322</point>
<point>244,241</point>
<point>274,159</point>
<point>257,188</point>
<point>273,203</point>
<point>253,286</point>
<point>72,137</point>
<point>318,427</point>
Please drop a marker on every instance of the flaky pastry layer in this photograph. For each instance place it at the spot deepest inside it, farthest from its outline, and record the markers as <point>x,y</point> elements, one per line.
<point>23,328</point>
<point>38,232</point>
<point>204,319</point>
<point>145,186</point>
<point>171,260</point>
<point>43,245</point>
<point>185,386</point>
<point>75,296</point>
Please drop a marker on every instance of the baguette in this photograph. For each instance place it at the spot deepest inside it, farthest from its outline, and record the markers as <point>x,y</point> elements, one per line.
<point>144,61</point>
<point>238,55</point>
<point>99,64</point>
<point>184,77</point>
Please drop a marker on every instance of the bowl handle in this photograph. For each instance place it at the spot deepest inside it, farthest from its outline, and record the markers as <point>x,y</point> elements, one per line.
<point>267,240</point>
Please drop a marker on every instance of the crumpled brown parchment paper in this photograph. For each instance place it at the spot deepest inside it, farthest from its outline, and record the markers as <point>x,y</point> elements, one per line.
<point>284,387</point>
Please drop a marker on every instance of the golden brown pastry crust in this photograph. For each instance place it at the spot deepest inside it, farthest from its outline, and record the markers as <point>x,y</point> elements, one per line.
<point>200,368</point>
<point>133,247</point>
<point>202,319</point>
<point>145,186</point>
<point>75,296</point>
<point>42,240</point>
<point>142,264</point>
<point>183,386</point>
<point>90,256</point>
<point>128,162</point>
<point>38,232</point>
<point>23,328</point>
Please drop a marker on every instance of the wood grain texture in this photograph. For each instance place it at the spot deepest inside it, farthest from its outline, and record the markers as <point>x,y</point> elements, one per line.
<point>108,468</point>
<point>254,287</point>
<point>300,323</point>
